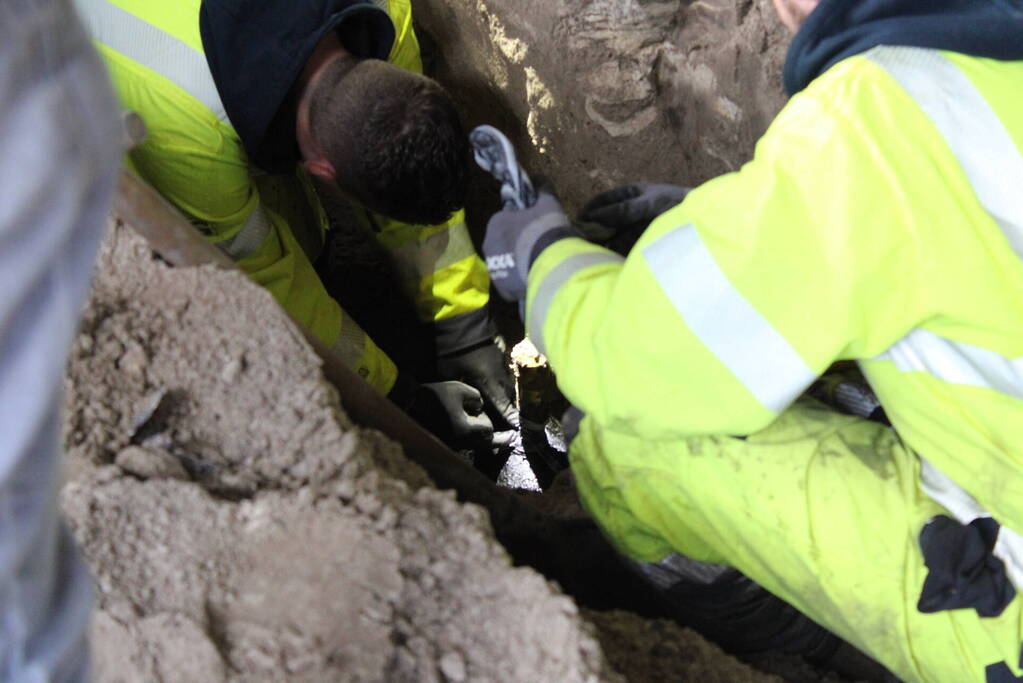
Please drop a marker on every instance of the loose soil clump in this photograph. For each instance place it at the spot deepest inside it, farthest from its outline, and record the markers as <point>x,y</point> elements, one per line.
<point>241,527</point>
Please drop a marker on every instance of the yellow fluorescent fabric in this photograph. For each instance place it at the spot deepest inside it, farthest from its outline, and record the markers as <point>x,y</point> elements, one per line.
<point>860,231</point>
<point>437,264</point>
<point>844,234</point>
<point>824,510</point>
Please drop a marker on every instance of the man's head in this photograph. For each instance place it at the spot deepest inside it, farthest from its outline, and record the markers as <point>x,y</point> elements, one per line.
<point>794,12</point>
<point>390,139</point>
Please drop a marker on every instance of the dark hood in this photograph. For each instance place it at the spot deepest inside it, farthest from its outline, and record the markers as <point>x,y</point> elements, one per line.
<point>838,29</point>
<point>257,49</point>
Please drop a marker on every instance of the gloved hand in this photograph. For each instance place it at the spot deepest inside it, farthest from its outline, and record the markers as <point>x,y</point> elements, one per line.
<point>618,217</point>
<point>484,367</point>
<point>517,236</point>
<point>453,412</point>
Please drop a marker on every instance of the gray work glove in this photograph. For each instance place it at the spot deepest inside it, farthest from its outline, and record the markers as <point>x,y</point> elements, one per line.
<point>484,367</point>
<point>453,412</point>
<point>618,217</point>
<point>517,236</point>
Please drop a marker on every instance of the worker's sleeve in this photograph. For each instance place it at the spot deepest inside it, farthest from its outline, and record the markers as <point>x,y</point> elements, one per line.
<point>439,269</point>
<point>196,161</point>
<point>60,141</point>
<point>734,301</point>
<point>443,276</point>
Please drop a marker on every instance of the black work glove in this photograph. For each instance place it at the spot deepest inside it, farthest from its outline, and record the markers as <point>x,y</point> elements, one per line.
<point>453,412</point>
<point>484,367</point>
<point>618,217</point>
<point>517,236</point>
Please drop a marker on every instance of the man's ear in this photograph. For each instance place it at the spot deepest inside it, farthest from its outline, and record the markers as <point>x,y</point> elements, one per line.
<point>321,168</point>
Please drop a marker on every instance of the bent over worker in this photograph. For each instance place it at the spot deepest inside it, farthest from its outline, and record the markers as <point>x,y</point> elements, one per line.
<point>245,100</point>
<point>880,221</point>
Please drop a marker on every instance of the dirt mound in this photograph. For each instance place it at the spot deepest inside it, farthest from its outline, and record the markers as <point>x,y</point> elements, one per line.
<point>240,527</point>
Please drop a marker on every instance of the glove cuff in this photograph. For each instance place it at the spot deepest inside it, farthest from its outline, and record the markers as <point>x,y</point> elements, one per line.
<point>541,230</point>
<point>453,335</point>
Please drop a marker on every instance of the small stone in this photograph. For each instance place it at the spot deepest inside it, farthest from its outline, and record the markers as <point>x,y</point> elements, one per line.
<point>134,360</point>
<point>150,463</point>
<point>453,667</point>
<point>84,343</point>
<point>232,370</point>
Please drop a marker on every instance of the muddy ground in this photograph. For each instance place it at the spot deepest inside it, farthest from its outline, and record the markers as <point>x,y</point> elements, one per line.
<point>241,527</point>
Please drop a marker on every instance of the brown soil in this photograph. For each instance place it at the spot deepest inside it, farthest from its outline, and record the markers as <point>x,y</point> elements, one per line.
<point>596,93</point>
<point>240,527</point>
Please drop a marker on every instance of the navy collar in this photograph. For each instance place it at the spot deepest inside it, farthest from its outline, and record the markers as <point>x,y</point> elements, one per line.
<point>839,29</point>
<point>257,49</point>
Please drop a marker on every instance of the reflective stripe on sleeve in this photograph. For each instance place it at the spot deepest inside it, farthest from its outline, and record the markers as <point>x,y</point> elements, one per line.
<point>728,325</point>
<point>418,259</point>
<point>351,344</point>
<point>994,166</point>
<point>956,363</point>
<point>545,294</point>
<point>971,129</point>
<point>154,49</point>
<point>247,240</point>
<point>965,508</point>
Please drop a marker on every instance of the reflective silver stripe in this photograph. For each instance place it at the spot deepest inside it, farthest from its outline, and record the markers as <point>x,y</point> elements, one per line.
<point>144,43</point>
<point>545,294</point>
<point>956,362</point>
<point>971,129</point>
<point>351,343</point>
<point>965,508</point>
<point>248,240</point>
<point>727,324</point>
<point>994,166</point>
<point>422,258</point>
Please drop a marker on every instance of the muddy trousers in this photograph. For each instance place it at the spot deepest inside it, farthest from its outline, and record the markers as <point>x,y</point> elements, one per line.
<point>823,510</point>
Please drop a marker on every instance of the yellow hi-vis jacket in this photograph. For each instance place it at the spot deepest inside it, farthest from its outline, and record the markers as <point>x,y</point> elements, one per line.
<point>194,157</point>
<point>881,220</point>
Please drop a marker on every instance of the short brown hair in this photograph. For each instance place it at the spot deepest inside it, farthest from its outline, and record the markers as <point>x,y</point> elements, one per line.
<point>394,138</point>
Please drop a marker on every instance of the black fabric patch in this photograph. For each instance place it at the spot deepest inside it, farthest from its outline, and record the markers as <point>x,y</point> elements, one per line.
<point>839,29</point>
<point>1001,673</point>
<point>962,572</point>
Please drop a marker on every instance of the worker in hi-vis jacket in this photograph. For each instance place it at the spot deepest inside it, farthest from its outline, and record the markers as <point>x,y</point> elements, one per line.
<point>880,221</point>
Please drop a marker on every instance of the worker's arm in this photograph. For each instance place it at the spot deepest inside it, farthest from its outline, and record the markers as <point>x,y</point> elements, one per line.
<point>734,301</point>
<point>194,158</point>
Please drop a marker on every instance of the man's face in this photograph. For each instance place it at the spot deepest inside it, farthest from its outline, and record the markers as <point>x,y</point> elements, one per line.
<point>794,12</point>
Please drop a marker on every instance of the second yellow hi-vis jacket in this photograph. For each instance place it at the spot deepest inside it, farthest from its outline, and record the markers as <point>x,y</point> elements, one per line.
<point>196,159</point>
<point>880,221</point>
